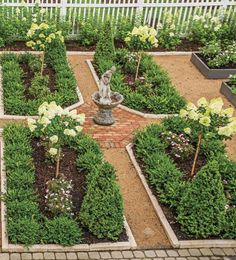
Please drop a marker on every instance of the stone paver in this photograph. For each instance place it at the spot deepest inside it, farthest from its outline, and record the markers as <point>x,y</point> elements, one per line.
<point>158,254</point>
<point>194,252</point>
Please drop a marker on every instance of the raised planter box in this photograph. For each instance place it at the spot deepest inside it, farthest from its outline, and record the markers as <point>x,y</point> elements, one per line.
<point>175,242</point>
<point>130,110</point>
<point>8,247</point>
<point>210,73</point>
<point>225,89</point>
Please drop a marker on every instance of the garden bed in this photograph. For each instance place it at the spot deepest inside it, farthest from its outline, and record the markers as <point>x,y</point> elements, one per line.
<point>227,92</point>
<point>209,73</point>
<point>23,89</point>
<point>162,174</point>
<point>30,224</point>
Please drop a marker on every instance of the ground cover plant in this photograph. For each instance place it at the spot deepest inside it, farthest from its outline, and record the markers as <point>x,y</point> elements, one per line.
<point>152,91</point>
<point>218,54</point>
<point>59,188</point>
<point>232,83</point>
<point>192,177</point>
<point>25,88</point>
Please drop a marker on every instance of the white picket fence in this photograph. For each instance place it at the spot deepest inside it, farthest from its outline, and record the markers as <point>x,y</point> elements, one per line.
<point>151,11</point>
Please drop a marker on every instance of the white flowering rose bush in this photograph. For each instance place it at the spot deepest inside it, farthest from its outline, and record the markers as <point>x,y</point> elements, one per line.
<point>209,120</point>
<point>41,35</point>
<point>55,126</point>
<point>139,39</point>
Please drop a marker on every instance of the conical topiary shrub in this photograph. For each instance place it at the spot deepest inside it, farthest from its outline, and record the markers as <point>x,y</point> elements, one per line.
<point>202,207</point>
<point>105,47</point>
<point>102,208</point>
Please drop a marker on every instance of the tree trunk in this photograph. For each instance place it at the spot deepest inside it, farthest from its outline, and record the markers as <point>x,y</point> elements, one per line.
<point>137,69</point>
<point>196,155</point>
<point>42,66</point>
<point>58,163</point>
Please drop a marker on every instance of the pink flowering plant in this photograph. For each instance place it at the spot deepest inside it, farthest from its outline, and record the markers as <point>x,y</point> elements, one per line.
<point>58,196</point>
<point>179,145</point>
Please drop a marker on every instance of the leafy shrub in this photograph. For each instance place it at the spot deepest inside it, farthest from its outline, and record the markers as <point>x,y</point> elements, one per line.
<point>102,207</point>
<point>168,35</point>
<point>62,230</point>
<point>88,32</point>
<point>88,161</point>
<point>164,177</point>
<point>230,222</point>
<point>105,47</point>
<point>39,86</point>
<point>201,211</point>
<point>218,54</point>
<point>23,230</point>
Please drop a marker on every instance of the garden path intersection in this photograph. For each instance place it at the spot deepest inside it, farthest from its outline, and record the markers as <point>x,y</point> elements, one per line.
<point>152,242</point>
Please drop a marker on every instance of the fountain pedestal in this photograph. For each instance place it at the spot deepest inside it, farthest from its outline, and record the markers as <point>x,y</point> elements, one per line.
<point>104,115</point>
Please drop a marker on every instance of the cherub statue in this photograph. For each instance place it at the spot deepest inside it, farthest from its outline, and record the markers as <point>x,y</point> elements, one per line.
<point>105,90</point>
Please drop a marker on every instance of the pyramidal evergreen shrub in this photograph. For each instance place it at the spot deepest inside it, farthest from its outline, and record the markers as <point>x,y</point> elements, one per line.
<point>102,208</point>
<point>201,211</point>
<point>105,49</point>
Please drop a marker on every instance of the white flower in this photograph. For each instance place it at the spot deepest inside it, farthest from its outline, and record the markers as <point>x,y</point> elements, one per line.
<point>17,10</point>
<point>69,132</point>
<point>171,34</point>
<point>24,19</point>
<point>54,139</point>
<point>42,11</point>
<point>31,124</point>
<point>78,128</point>
<point>73,114</point>
<point>187,130</point>
<point>44,121</point>
<point>80,118</point>
<point>53,151</point>
<point>34,20</point>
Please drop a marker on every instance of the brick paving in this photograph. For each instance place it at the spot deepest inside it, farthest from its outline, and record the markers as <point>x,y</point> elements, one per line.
<point>117,135</point>
<point>160,254</point>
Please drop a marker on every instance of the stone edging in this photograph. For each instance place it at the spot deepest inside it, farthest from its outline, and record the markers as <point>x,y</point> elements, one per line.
<point>133,111</point>
<point>6,247</point>
<point>207,243</point>
<point>17,117</point>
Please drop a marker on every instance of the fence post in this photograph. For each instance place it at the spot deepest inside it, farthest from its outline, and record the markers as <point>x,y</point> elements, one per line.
<point>63,9</point>
<point>139,13</point>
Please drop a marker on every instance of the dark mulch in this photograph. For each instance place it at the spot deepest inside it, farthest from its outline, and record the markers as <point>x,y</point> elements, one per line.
<point>73,45</point>
<point>170,213</point>
<point>227,66</point>
<point>28,76</point>
<point>45,171</point>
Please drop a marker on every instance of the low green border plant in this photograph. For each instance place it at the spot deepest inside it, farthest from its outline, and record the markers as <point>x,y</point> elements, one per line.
<point>14,100</point>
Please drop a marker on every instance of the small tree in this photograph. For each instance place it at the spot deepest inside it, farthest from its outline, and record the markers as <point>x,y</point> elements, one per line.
<point>42,35</point>
<point>102,207</point>
<point>141,38</point>
<point>209,120</point>
<point>54,126</point>
<point>201,211</point>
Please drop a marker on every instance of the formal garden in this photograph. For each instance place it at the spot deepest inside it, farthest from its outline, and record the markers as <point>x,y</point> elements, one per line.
<point>118,137</point>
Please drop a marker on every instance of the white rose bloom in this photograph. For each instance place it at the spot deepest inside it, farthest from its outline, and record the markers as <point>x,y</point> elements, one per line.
<point>32,127</point>
<point>66,131</point>
<point>73,114</point>
<point>53,151</point>
<point>54,139</point>
<point>72,132</point>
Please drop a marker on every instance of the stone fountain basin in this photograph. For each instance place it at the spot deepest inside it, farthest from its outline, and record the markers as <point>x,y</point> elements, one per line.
<point>116,98</point>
